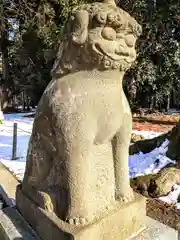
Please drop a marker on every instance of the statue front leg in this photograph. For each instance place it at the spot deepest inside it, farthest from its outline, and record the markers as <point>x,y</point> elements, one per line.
<point>38,166</point>
<point>77,162</point>
<point>120,145</point>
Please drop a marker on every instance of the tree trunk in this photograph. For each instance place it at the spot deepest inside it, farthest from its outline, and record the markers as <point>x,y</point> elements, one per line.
<point>23,101</point>
<point>3,47</point>
<point>168,101</point>
<point>28,103</point>
<point>151,102</point>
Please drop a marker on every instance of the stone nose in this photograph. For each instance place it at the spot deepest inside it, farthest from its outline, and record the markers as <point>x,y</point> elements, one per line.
<point>130,40</point>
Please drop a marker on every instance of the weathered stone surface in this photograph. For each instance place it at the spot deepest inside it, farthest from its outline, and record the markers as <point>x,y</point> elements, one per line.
<point>160,184</point>
<point>77,162</point>
<point>118,223</point>
<point>14,227</point>
<point>156,231</point>
<point>173,147</point>
<point>165,180</point>
<point>147,145</point>
<point>8,185</point>
<point>5,201</point>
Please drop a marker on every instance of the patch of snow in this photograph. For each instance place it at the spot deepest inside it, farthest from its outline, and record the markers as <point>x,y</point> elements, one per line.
<point>149,163</point>
<point>147,134</point>
<point>173,111</point>
<point>172,197</point>
<point>16,115</point>
<point>178,205</point>
<point>1,116</point>
<point>24,129</point>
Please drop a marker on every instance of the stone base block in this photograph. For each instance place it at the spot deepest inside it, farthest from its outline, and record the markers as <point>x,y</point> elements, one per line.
<point>122,221</point>
<point>156,231</point>
<point>14,227</point>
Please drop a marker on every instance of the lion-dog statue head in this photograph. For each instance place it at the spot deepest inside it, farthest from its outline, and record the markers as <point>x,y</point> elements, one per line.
<point>97,36</point>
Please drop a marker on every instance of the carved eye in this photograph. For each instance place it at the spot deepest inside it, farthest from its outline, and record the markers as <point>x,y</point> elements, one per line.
<point>109,33</point>
<point>130,40</point>
<point>101,17</point>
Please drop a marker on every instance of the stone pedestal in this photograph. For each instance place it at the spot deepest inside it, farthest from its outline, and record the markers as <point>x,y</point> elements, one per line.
<point>157,231</point>
<point>123,221</point>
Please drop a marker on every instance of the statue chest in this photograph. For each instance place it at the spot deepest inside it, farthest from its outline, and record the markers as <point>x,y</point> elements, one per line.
<point>108,125</point>
<point>110,118</point>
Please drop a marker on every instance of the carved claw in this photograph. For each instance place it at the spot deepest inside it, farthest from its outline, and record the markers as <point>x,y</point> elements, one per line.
<point>45,201</point>
<point>49,207</point>
<point>126,197</point>
<point>77,221</point>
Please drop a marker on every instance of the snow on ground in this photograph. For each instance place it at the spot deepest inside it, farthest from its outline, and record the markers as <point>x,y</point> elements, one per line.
<point>147,134</point>
<point>173,196</point>
<point>152,162</point>
<point>139,164</point>
<point>24,128</point>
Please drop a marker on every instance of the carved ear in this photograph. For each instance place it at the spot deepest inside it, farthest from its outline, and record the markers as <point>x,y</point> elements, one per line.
<point>80,31</point>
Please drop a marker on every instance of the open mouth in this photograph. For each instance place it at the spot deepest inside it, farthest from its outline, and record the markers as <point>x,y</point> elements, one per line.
<point>116,56</point>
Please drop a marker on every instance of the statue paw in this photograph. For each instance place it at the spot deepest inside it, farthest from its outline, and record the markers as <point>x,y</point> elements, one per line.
<point>45,201</point>
<point>126,197</point>
<point>77,221</point>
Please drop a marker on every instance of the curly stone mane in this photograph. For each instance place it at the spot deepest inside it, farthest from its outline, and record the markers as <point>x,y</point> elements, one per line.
<point>89,24</point>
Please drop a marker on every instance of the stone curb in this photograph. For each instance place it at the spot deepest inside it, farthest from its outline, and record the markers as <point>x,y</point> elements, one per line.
<point>9,201</point>
<point>14,227</point>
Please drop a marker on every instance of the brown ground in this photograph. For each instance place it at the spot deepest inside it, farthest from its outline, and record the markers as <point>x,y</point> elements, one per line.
<point>163,213</point>
<point>157,123</point>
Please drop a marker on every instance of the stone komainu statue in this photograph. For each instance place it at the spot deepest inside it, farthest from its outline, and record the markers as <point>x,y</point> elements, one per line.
<point>77,161</point>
